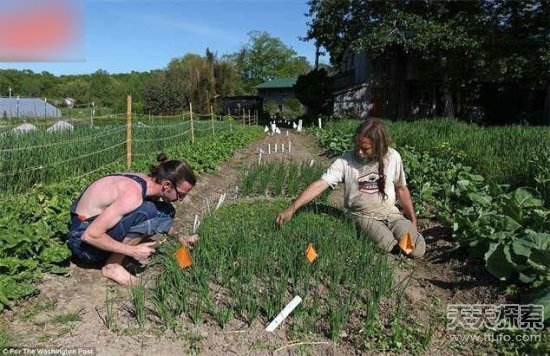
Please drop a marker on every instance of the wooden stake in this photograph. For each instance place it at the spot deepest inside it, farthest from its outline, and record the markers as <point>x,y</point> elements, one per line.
<point>192,130</point>
<point>212,117</point>
<point>128,132</point>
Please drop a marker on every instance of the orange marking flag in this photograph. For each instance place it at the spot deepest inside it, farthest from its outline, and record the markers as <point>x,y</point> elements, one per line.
<point>406,244</point>
<point>311,255</point>
<point>183,256</point>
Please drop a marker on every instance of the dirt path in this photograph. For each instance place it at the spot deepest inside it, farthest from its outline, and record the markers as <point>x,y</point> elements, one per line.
<point>433,283</point>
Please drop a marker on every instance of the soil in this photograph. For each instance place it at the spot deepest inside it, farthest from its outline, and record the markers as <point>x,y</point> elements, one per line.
<point>442,277</point>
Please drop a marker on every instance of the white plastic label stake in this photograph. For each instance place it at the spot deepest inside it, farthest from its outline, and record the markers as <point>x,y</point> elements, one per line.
<point>260,158</point>
<point>283,147</point>
<point>312,163</point>
<point>284,313</point>
<point>289,146</point>
<point>196,223</point>
<point>269,148</point>
<point>320,126</point>
<point>275,148</point>
<point>220,202</point>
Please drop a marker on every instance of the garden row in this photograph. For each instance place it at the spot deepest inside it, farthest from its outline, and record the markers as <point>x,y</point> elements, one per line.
<point>505,227</point>
<point>33,225</point>
<point>246,269</point>
<point>43,157</point>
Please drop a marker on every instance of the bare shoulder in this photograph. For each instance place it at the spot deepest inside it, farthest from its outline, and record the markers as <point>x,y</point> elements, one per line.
<point>128,193</point>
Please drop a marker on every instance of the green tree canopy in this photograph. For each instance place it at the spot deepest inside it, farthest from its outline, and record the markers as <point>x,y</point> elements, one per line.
<point>314,90</point>
<point>265,57</point>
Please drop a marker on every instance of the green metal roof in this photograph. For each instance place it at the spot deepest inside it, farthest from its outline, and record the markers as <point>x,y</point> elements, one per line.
<point>278,83</point>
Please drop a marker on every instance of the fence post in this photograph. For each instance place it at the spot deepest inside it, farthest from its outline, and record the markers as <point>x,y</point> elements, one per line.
<point>249,117</point>
<point>212,117</point>
<point>128,132</point>
<point>192,130</point>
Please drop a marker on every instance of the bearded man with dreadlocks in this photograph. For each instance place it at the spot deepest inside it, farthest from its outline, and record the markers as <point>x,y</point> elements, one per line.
<point>374,181</point>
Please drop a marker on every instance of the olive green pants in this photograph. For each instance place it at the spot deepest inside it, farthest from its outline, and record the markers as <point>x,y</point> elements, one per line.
<point>387,233</point>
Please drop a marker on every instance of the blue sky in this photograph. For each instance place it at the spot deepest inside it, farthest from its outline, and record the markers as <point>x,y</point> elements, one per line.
<point>141,35</point>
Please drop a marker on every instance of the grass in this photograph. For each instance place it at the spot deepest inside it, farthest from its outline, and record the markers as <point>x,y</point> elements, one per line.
<point>67,317</point>
<point>247,269</point>
<point>34,309</point>
<point>280,179</point>
<point>7,338</point>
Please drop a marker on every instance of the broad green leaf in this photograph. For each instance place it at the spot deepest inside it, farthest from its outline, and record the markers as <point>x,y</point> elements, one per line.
<point>525,199</point>
<point>511,224</point>
<point>540,297</point>
<point>497,261</point>
<point>483,200</point>
<point>522,247</point>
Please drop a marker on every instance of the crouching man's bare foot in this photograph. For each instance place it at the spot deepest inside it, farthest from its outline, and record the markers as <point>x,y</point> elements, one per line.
<point>188,240</point>
<point>118,274</point>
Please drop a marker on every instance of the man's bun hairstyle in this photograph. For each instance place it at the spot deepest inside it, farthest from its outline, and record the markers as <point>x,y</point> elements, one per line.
<point>174,171</point>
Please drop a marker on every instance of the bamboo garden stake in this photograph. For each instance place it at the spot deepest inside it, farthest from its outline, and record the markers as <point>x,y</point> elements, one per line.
<point>128,132</point>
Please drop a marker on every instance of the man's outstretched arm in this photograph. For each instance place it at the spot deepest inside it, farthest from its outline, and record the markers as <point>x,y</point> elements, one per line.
<point>404,197</point>
<point>311,192</point>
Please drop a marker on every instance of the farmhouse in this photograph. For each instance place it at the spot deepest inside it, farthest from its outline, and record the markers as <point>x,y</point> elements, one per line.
<point>279,92</point>
<point>27,107</point>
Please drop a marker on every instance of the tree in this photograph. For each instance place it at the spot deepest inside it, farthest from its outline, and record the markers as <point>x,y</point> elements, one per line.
<point>265,57</point>
<point>464,43</point>
<point>314,90</point>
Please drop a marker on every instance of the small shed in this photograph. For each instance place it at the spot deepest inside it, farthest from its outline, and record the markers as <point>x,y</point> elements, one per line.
<point>234,105</point>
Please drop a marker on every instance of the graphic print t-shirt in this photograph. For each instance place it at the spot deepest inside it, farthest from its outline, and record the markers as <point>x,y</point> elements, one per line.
<point>361,183</point>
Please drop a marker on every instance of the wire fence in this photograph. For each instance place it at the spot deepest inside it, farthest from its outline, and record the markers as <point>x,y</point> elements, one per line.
<point>120,143</point>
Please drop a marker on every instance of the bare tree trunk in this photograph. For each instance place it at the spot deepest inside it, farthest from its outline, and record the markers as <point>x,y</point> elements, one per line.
<point>448,104</point>
<point>546,111</point>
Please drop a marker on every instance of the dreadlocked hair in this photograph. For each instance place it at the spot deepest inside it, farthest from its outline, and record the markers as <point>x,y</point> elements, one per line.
<point>377,132</point>
<point>174,171</point>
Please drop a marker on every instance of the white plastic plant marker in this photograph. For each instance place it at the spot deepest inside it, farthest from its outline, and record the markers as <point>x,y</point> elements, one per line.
<point>283,314</point>
<point>320,126</point>
<point>312,163</point>
<point>260,158</point>
<point>287,132</point>
<point>283,147</point>
<point>289,146</point>
<point>269,148</point>
<point>220,202</point>
<point>275,148</point>
<point>196,223</point>
<point>207,203</point>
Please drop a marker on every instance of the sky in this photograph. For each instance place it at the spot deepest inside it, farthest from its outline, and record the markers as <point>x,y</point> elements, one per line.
<point>121,36</point>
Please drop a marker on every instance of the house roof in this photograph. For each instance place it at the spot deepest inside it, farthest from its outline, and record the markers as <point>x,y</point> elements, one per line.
<point>278,83</point>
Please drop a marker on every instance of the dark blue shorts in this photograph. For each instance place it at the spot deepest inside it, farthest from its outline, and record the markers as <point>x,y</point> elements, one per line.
<point>149,219</point>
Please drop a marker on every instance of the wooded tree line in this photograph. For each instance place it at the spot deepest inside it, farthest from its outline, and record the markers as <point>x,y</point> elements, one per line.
<point>478,51</point>
<point>200,79</point>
